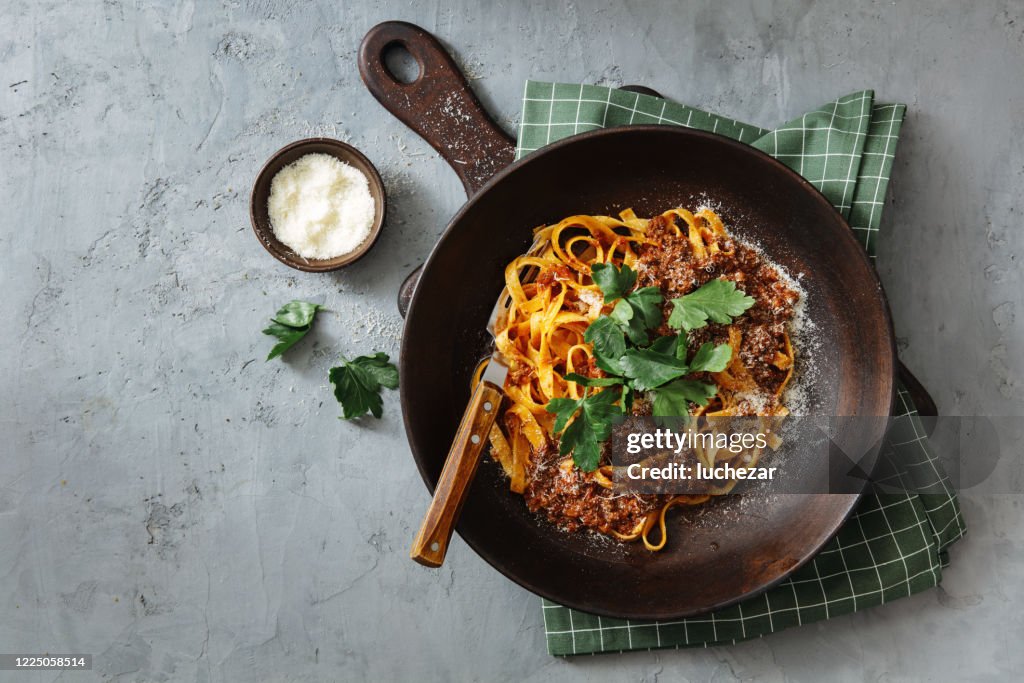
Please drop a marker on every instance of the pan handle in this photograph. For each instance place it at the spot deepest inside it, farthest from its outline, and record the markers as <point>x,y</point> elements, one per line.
<point>431,542</point>
<point>927,411</point>
<point>439,105</point>
<point>643,90</point>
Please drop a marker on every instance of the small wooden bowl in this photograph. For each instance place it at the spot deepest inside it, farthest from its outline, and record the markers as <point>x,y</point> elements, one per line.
<point>260,215</point>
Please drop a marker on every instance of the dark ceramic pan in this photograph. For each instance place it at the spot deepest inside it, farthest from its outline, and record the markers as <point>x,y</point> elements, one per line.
<point>737,547</point>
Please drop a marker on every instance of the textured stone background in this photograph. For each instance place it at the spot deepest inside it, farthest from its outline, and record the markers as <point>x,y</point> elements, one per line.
<point>184,511</point>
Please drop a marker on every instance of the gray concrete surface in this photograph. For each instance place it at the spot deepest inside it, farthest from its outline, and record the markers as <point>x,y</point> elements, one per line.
<point>186,512</point>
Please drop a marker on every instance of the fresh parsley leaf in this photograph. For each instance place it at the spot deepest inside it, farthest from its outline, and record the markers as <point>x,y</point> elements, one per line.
<point>286,337</point>
<point>380,368</point>
<point>357,384</point>
<point>612,281</point>
<point>717,299</point>
<point>580,441</point>
<point>646,303</point>
<point>711,358</point>
<point>627,399</point>
<point>584,381</point>
<point>297,314</point>
<point>649,369</point>
<point>564,409</point>
<point>631,324</point>
<point>622,313</point>
<point>591,425</point>
<point>637,313</point>
<point>673,399</point>
<point>601,407</point>
<point>609,344</point>
<point>641,365</point>
<point>290,324</point>
<point>669,345</point>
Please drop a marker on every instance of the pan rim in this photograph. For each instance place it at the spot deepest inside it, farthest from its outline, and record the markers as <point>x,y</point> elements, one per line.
<point>878,295</point>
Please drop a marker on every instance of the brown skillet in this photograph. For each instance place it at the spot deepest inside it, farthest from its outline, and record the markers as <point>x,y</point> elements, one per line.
<point>738,547</point>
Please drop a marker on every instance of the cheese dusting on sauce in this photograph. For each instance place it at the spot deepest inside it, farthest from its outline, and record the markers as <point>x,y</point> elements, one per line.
<point>320,207</point>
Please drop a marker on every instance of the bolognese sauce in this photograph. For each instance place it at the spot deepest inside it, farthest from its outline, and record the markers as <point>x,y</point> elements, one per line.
<point>664,254</point>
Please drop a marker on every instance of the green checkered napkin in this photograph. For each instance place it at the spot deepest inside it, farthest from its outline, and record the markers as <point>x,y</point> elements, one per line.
<point>895,544</point>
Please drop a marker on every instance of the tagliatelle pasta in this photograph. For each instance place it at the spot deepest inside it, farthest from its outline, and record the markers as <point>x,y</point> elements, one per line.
<point>554,299</point>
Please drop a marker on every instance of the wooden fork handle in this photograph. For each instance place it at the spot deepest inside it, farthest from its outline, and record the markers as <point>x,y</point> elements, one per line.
<point>431,543</point>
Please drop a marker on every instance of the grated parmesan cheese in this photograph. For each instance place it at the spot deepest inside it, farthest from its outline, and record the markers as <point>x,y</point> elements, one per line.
<point>593,300</point>
<point>320,207</point>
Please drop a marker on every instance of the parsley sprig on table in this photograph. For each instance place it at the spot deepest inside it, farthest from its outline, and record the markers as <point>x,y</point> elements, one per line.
<point>290,324</point>
<point>357,384</point>
<point>623,349</point>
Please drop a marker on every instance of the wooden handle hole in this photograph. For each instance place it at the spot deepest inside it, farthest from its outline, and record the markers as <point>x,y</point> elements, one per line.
<point>400,64</point>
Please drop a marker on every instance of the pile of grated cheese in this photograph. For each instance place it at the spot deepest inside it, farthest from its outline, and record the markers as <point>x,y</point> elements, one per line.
<point>321,207</point>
